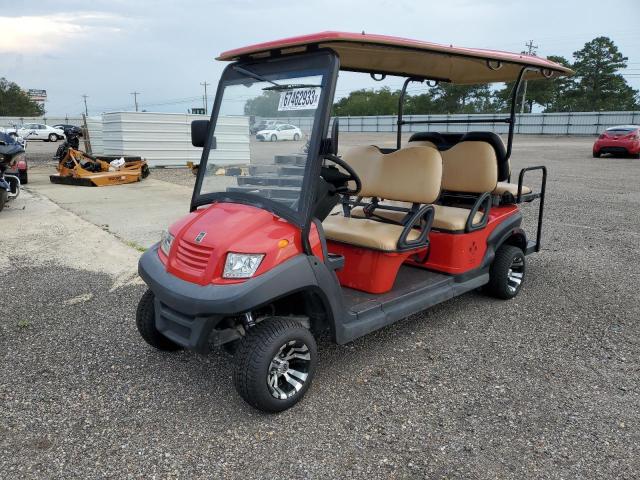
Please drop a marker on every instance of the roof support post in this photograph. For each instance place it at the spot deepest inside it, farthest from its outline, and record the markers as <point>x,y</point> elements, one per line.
<point>401,106</point>
<point>512,116</point>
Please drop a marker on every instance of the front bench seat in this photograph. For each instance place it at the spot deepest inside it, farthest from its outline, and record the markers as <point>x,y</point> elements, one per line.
<point>411,175</point>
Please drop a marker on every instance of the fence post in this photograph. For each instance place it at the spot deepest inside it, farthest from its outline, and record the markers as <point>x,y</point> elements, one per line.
<point>568,123</point>
<point>542,124</point>
<point>599,114</point>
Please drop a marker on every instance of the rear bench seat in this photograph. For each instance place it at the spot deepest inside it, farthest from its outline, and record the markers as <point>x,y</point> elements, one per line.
<point>443,143</point>
<point>412,175</point>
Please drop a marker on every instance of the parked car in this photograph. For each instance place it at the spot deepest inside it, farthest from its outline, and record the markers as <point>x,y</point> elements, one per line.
<point>263,125</point>
<point>620,140</point>
<point>37,131</point>
<point>281,132</point>
<point>64,126</point>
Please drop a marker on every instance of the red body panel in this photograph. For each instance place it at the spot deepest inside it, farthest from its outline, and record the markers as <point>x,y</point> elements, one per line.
<point>368,270</point>
<point>231,227</point>
<point>453,253</point>
<point>629,141</point>
<point>457,253</point>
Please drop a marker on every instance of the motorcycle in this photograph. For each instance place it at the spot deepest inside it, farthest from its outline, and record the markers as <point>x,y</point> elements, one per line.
<point>12,155</point>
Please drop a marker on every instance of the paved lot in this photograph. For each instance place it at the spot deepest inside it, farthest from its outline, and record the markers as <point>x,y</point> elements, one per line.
<point>544,386</point>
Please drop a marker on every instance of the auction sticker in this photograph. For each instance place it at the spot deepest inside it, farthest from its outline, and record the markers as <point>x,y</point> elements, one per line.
<point>299,99</point>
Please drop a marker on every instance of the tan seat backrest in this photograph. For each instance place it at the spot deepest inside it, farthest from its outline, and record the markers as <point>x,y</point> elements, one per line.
<point>412,174</point>
<point>470,167</point>
<point>422,143</point>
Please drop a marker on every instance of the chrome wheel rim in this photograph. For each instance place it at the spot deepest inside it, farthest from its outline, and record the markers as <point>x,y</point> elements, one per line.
<point>289,369</point>
<point>515,274</point>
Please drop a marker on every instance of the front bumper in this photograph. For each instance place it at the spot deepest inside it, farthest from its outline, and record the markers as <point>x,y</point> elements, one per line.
<point>187,313</point>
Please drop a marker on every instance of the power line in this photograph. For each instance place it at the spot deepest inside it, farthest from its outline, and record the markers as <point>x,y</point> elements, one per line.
<point>135,98</point>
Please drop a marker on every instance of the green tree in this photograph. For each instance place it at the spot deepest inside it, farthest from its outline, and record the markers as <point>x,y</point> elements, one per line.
<point>14,102</point>
<point>450,98</point>
<point>266,105</point>
<point>368,102</point>
<point>549,94</point>
<point>597,86</point>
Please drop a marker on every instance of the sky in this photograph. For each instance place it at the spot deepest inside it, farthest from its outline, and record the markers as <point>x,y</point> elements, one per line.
<point>166,49</point>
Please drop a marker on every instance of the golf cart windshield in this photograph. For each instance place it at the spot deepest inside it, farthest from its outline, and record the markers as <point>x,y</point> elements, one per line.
<point>265,132</point>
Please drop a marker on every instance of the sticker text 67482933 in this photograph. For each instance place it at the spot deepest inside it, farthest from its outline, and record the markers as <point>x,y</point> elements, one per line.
<point>299,99</point>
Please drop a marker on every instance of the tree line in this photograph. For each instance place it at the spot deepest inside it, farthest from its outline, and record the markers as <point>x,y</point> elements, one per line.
<point>14,102</point>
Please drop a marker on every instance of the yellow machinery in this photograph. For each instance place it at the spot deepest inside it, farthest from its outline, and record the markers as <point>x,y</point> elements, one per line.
<point>79,168</point>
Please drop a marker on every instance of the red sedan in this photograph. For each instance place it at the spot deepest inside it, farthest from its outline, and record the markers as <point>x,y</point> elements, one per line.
<point>620,140</point>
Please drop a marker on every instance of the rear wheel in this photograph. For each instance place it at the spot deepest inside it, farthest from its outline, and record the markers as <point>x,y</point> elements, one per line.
<point>506,273</point>
<point>274,138</point>
<point>275,364</point>
<point>3,198</point>
<point>146,323</point>
<point>24,177</point>
<point>596,155</point>
<point>53,137</point>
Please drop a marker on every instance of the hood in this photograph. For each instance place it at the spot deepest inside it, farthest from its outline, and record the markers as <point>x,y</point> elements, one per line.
<point>266,132</point>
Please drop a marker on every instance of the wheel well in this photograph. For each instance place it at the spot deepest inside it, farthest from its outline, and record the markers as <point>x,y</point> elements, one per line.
<point>307,303</point>
<point>517,239</point>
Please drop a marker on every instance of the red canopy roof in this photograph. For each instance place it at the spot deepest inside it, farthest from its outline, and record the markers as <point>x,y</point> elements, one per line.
<point>405,57</point>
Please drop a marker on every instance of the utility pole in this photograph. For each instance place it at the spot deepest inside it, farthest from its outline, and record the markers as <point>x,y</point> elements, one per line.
<point>531,50</point>
<point>206,108</point>
<point>135,98</point>
<point>86,110</point>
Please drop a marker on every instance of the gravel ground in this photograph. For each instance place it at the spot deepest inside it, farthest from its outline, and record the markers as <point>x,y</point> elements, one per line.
<point>543,386</point>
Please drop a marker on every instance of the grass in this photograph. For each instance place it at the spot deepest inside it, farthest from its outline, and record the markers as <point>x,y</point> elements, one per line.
<point>135,245</point>
<point>23,323</point>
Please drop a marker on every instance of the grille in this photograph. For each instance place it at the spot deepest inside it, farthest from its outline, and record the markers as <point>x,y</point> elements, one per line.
<point>193,256</point>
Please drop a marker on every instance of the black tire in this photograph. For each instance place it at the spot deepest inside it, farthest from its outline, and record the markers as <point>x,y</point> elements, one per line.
<point>53,137</point>
<point>254,363</point>
<point>3,198</point>
<point>24,177</point>
<point>596,155</point>
<point>296,137</point>
<point>508,264</point>
<point>274,138</point>
<point>146,323</point>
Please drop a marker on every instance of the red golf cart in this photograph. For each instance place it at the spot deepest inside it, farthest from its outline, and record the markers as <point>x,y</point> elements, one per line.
<point>294,244</point>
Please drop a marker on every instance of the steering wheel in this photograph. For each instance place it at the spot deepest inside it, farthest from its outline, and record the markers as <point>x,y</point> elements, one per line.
<point>353,176</point>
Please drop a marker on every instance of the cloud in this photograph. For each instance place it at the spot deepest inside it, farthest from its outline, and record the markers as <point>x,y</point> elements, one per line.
<point>40,34</point>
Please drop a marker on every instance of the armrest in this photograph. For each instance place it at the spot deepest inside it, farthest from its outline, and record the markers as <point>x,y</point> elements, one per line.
<point>484,202</point>
<point>424,216</point>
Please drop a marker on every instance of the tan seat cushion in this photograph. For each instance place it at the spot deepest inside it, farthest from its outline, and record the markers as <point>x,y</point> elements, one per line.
<point>364,232</point>
<point>470,167</point>
<point>453,218</point>
<point>445,218</point>
<point>511,188</point>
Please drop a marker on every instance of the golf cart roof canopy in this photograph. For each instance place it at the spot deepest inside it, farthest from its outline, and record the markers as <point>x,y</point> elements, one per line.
<point>386,55</point>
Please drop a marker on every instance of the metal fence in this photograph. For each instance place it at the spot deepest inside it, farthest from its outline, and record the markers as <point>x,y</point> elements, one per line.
<point>48,120</point>
<point>571,123</point>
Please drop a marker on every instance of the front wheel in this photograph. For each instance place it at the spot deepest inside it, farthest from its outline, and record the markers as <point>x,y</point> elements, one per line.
<point>506,273</point>
<point>3,198</point>
<point>296,137</point>
<point>275,364</point>
<point>596,155</point>
<point>53,137</point>
<point>274,138</point>
<point>24,177</point>
<point>146,323</point>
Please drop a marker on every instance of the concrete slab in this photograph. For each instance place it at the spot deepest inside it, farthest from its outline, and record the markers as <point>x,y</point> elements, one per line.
<point>137,213</point>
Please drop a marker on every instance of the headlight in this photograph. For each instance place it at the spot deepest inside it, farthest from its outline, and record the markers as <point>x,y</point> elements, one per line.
<point>241,265</point>
<point>165,242</point>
